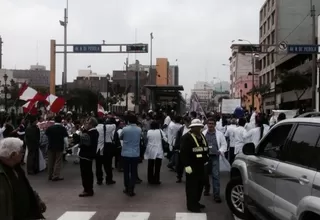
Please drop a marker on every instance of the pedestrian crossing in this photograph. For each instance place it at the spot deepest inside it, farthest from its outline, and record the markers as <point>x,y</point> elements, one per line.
<point>82,215</point>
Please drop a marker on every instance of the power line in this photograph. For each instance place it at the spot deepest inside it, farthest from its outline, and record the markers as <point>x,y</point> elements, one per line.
<point>293,30</point>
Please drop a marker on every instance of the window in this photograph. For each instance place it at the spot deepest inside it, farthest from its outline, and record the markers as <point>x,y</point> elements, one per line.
<point>272,56</point>
<point>260,32</point>
<point>273,37</point>
<point>271,146</point>
<point>272,18</point>
<point>245,85</point>
<point>302,147</point>
<point>268,77</point>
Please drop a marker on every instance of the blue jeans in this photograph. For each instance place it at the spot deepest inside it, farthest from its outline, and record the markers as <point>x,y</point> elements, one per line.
<point>130,172</point>
<point>215,162</point>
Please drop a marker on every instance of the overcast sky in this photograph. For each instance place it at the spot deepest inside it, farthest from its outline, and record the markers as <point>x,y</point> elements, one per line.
<point>197,33</point>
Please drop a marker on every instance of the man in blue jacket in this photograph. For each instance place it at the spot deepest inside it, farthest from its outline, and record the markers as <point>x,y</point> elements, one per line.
<point>131,136</point>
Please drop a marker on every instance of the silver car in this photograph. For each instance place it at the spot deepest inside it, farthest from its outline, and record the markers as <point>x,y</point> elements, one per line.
<point>280,178</point>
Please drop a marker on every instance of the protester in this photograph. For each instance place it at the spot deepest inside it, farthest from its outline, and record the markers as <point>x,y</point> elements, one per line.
<point>58,142</point>
<point>88,148</point>
<point>131,136</point>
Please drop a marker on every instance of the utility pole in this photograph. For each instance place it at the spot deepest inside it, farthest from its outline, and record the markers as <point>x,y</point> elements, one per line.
<point>127,92</point>
<point>253,86</point>
<point>1,42</point>
<point>314,56</point>
<point>150,70</point>
<point>136,94</point>
<point>65,51</point>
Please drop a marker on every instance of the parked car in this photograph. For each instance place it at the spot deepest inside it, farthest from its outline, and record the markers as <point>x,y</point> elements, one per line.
<point>280,178</point>
<point>309,115</point>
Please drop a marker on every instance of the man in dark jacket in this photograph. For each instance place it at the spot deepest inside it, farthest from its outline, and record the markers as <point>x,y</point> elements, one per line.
<point>182,131</point>
<point>194,156</point>
<point>17,200</point>
<point>58,141</point>
<point>88,148</point>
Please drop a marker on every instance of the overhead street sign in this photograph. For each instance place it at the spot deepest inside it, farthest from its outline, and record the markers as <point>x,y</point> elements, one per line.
<point>137,48</point>
<point>303,49</point>
<point>90,48</point>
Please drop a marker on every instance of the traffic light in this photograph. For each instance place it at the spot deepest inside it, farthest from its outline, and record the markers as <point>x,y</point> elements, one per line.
<point>137,48</point>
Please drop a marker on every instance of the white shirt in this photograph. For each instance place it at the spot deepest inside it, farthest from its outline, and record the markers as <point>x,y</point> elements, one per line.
<point>254,134</point>
<point>119,133</point>
<point>173,129</point>
<point>230,133</point>
<point>167,121</point>
<point>240,139</point>
<point>110,129</point>
<point>185,130</point>
<point>273,120</point>
<point>154,144</point>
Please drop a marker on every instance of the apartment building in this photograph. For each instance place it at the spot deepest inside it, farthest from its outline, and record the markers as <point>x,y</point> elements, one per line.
<point>285,21</point>
<point>241,65</point>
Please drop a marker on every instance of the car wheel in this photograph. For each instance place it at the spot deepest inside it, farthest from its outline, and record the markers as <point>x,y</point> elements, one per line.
<point>235,197</point>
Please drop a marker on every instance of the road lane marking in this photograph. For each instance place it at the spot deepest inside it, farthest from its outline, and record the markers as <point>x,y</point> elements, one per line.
<point>133,216</point>
<point>191,216</point>
<point>76,215</point>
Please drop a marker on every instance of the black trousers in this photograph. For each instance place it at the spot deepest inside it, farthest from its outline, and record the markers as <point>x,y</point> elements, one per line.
<point>231,155</point>
<point>86,175</point>
<point>194,188</point>
<point>179,167</point>
<point>130,170</point>
<point>104,161</point>
<point>154,167</point>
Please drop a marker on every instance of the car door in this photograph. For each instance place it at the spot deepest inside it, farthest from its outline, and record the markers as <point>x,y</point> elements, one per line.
<point>295,172</point>
<point>262,166</point>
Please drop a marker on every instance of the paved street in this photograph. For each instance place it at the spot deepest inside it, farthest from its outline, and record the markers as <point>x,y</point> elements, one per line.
<point>164,202</point>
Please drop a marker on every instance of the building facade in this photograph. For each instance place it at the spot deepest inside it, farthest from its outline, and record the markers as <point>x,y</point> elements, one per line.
<point>285,21</point>
<point>243,85</point>
<point>162,69</point>
<point>37,76</point>
<point>241,65</point>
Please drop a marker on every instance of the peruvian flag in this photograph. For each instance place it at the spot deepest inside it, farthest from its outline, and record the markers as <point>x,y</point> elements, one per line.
<point>55,103</point>
<point>100,110</point>
<point>27,93</point>
<point>30,107</point>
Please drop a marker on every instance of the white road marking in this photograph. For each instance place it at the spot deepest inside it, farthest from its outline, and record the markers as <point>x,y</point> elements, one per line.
<point>191,216</point>
<point>76,215</point>
<point>133,216</point>
<point>236,218</point>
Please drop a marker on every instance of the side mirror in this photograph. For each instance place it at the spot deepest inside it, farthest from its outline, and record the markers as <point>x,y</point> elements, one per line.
<point>249,149</point>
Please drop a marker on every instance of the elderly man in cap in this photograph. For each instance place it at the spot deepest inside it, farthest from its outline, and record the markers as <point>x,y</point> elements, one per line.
<point>194,157</point>
<point>17,198</point>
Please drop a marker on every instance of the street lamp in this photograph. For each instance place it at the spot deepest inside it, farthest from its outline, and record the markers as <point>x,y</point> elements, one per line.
<point>5,77</point>
<point>253,69</point>
<point>108,79</point>
<point>64,24</point>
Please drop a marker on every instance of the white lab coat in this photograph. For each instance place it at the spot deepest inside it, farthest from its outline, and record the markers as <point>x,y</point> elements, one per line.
<point>173,129</point>
<point>221,141</point>
<point>240,139</point>
<point>230,133</point>
<point>154,148</point>
<point>254,134</point>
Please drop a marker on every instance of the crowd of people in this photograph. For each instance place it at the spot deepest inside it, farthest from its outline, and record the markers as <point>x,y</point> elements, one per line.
<point>194,145</point>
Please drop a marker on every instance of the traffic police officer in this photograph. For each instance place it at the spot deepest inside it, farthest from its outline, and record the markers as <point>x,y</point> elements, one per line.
<point>194,156</point>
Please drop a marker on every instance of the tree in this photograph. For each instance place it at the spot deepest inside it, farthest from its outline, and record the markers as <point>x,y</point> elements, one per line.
<point>296,82</point>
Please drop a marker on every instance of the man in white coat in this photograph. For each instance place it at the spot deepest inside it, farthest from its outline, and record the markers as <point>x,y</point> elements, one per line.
<point>217,147</point>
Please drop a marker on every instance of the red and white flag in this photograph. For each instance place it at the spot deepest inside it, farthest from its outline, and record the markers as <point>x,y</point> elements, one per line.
<point>100,110</point>
<point>55,103</point>
<point>27,93</point>
<point>30,107</point>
